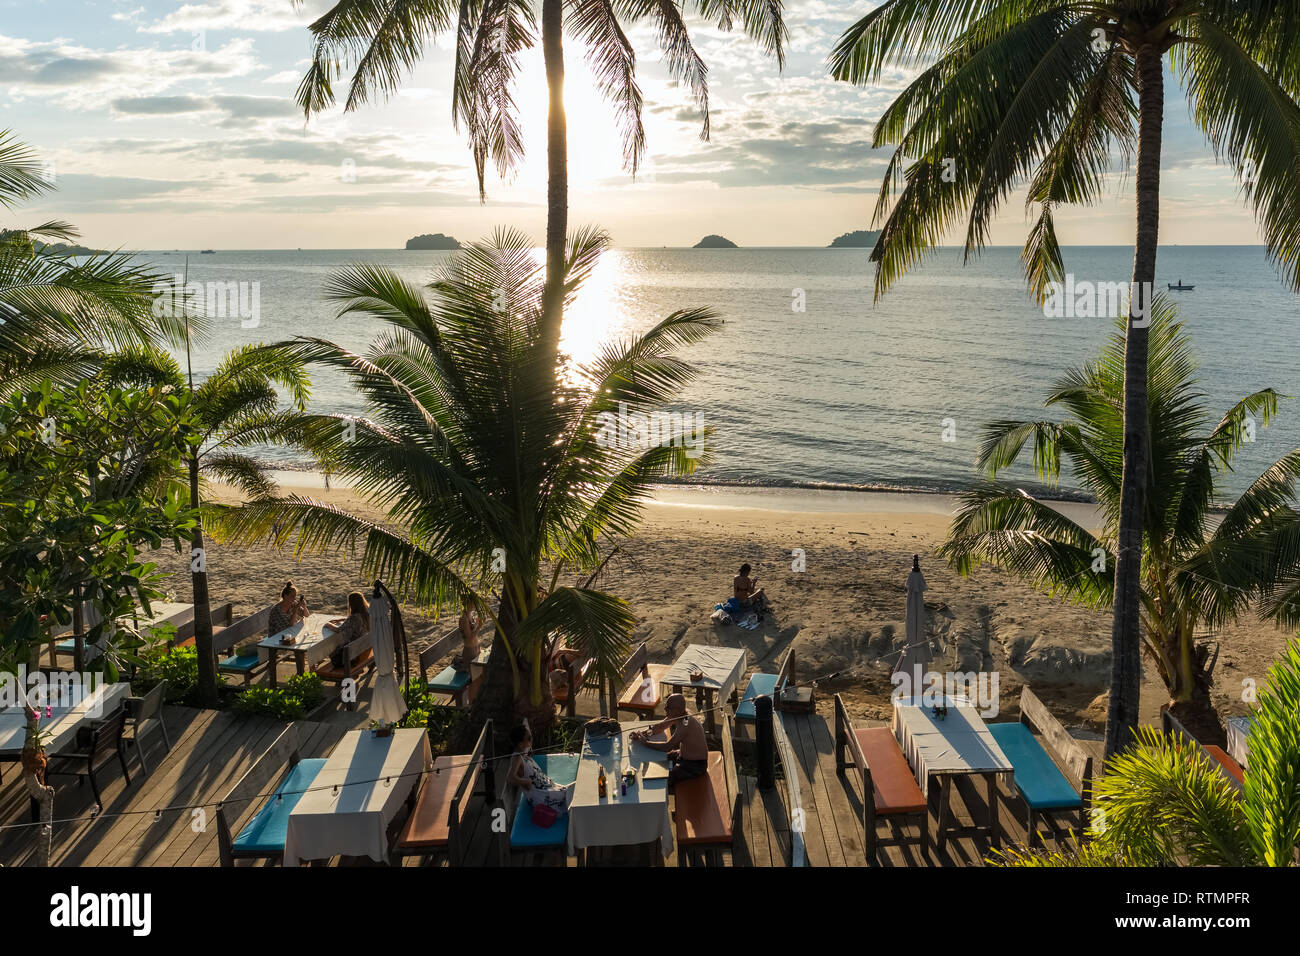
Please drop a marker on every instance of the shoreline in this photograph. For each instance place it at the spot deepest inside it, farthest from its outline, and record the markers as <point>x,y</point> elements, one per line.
<point>783,499</point>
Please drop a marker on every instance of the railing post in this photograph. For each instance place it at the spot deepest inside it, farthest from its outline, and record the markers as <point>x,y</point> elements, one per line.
<point>765,742</point>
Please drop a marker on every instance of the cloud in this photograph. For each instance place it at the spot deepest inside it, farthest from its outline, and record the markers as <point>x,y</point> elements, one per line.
<point>82,78</point>
<point>269,16</point>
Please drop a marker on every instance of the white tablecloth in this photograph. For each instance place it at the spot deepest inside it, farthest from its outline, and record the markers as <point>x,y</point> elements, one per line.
<point>102,702</point>
<point>312,635</point>
<point>354,821</point>
<point>639,816</point>
<point>959,743</point>
<point>1238,731</point>
<point>723,668</point>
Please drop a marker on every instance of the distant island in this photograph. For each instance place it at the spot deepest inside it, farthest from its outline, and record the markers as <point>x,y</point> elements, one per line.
<point>715,242</point>
<point>432,241</point>
<point>858,239</point>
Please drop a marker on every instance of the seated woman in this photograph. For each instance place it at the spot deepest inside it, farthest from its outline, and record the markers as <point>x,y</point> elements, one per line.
<point>531,781</point>
<point>289,611</point>
<point>356,624</point>
<point>747,591</point>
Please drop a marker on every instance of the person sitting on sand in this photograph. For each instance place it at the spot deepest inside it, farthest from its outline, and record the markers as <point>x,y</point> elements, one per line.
<point>748,593</point>
<point>530,779</point>
<point>686,746</point>
<point>289,611</point>
<point>356,624</point>
<point>470,622</point>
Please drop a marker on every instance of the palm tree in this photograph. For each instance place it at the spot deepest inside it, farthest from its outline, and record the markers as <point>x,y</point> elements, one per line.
<point>1044,93</point>
<point>383,40</point>
<point>1164,803</point>
<point>235,406</point>
<point>61,315</point>
<point>491,484</point>
<point>1199,574</point>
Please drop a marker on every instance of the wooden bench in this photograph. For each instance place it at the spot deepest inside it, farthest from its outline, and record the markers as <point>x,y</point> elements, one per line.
<point>359,658</point>
<point>889,787</point>
<point>449,681</point>
<point>1227,766</point>
<point>227,639</point>
<point>434,828</point>
<point>222,616</point>
<point>526,841</point>
<point>1049,786</point>
<point>262,837</point>
<point>641,686</point>
<point>707,809</point>
<point>765,685</point>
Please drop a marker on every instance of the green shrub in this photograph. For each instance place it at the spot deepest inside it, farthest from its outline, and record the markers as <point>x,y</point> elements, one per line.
<point>300,695</point>
<point>308,688</point>
<point>271,702</point>
<point>179,668</point>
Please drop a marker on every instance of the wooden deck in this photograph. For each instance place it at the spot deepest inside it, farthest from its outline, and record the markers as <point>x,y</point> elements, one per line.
<point>211,750</point>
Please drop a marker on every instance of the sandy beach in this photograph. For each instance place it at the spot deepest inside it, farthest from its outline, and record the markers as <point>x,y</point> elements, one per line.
<point>843,613</point>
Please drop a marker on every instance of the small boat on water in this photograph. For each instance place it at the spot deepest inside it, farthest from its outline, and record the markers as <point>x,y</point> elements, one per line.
<point>210,252</point>
<point>1180,287</point>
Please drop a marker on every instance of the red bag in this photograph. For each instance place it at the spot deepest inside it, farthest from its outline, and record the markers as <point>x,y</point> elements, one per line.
<point>544,816</point>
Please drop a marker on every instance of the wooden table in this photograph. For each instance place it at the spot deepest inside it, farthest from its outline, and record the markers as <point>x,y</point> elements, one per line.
<point>313,634</point>
<point>62,726</point>
<point>161,612</point>
<point>356,795</point>
<point>722,668</point>
<point>638,818</point>
<point>952,749</point>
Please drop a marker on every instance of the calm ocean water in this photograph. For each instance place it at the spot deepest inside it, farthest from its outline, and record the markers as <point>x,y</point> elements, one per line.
<point>847,393</point>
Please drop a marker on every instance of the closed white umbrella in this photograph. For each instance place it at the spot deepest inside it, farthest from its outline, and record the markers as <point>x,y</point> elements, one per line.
<point>916,653</point>
<point>387,704</point>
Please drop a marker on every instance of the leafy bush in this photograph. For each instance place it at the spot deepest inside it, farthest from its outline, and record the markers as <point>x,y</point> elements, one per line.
<point>271,702</point>
<point>308,688</point>
<point>300,694</point>
<point>179,668</point>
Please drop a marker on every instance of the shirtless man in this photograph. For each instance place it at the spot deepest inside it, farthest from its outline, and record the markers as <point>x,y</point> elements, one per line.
<point>686,743</point>
<point>747,591</point>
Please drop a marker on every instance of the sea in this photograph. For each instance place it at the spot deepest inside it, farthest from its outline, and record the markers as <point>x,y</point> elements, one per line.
<point>815,383</point>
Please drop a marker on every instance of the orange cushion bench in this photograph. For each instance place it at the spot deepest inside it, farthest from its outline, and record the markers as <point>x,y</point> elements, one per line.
<point>702,810</point>
<point>889,787</point>
<point>642,696</point>
<point>429,827</point>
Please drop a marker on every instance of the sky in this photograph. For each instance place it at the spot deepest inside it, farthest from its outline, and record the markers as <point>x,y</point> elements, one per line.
<point>172,125</point>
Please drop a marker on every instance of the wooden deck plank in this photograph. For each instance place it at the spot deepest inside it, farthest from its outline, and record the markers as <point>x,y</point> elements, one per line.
<point>186,727</point>
<point>819,851</point>
<point>832,800</point>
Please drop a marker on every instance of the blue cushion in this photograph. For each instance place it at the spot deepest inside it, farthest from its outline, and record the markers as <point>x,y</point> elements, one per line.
<point>450,681</point>
<point>68,646</point>
<point>524,834</point>
<point>245,663</point>
<point>265,832</point>
<point>759,684</point>
<point>1037,778</point>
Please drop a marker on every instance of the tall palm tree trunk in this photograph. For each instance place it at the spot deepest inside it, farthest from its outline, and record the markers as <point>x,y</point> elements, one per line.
<point>497,697</point>
<point>557,183</point>
<point>202,604</point>
<point>1126,643</point>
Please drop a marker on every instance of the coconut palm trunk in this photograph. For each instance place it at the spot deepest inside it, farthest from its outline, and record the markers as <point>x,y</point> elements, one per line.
<point>1126,642</point>
<point>202,602</point>
<point>557,182</point>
